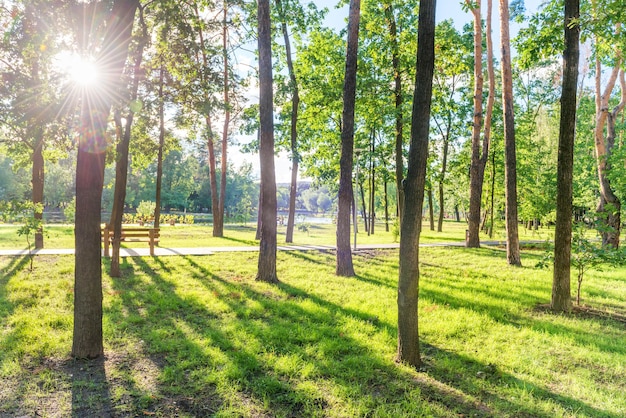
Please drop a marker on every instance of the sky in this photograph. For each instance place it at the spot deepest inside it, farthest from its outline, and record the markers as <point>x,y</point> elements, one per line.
<point>446,9</point>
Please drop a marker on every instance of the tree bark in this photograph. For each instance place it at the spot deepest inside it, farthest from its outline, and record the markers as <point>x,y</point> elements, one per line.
<point>159,176</point>
<point>344,253</point>
<point>366,223</point>
<point>431,210</point>
<point>479,158</point>
<point>267,250</point>
<point>561,293</point>
<point>510,159</point>
<point>295,104</point>
<point>38,183</point>
<point>408,280</point>
<point>121,164</point>
<point>219,229</point>
<point>87,335</point>
<point>609,207</point>
<point>397,93</point>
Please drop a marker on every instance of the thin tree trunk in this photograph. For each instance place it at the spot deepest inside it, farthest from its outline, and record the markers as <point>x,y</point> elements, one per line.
<point>493,186</point>
<point>510,159</point>
<point>226,130</point>
<point>372,186</point>
<point>159,176</point>
<point>610,206</point>
<point>267,249</point>
<point>295,104</point>
<point>38,183</point>
<point>479,158</point>
<point>121,164</point>
<point>344,253</point>
<point>87,335</point>
<point>397,93</point>
<point>561,293</point>
<point>386,208</point>
<point>442,176</point>
<point>431,210</point>
<point>363,208</point>
<point>408,280</point>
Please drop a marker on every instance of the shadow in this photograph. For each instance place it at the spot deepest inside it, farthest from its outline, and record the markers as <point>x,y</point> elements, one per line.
<point>90,388</point>
<point>243,241</point>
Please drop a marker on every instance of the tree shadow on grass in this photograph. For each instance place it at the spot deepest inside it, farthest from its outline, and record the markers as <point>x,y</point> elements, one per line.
<point>369,377</point>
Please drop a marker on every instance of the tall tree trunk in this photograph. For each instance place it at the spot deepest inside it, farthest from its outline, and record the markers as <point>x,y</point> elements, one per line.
<point>397,93</point>
<point>609,207</point>
<point>408,280</point>
<point>442,176</point>
<point>492,192</point>
<point>38,183</point>
<point>226,130</point>
<point>159,176</point>
<point>372,187</point>
<point>295,104</point>
<point>510,159</point>
<point>87,335</point>
<point>363,208</point>
<point>561,293</point>
<point>267,251</point>
<point>386,208</point>
<point>344,253</point>
<point>431,211</point>
<point>479,158</point>
<point>218,220</point>
<point>121,164</point>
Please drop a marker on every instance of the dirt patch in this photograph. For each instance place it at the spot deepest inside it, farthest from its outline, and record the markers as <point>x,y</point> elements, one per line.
<point>588,312</point>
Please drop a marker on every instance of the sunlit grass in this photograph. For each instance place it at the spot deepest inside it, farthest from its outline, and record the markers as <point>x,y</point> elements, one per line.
<point>197,336</point>
<point>200,235</point>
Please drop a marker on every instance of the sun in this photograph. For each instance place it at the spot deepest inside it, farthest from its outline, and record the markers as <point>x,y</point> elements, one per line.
<point>81,70</point>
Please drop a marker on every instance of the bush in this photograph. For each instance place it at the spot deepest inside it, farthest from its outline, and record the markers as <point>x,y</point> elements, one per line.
<point>145,210</point>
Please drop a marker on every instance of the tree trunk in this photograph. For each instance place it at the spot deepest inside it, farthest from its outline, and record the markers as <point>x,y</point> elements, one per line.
<point>408,280</point>
<point>121,164</point>
<point>267,250</point>
<point>372,187</point>
<point>386,208</point>
<point>397,93</point>
<point>510,159</point>
<point>295,104</point>
<point>38,183</point>
<point>344,253</point>
<point>431,210</point>
<point>561,293</point>
<point>219,229</point>
<point>363,208</point>
<point>87,335</point>
<point>159,176</point>
<point>492,192</point>
<point>442,177</point>
<point>479,158</point>
<point>609,207</point>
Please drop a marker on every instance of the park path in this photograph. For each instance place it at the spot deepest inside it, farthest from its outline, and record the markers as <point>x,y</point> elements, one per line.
<point>161,251</point>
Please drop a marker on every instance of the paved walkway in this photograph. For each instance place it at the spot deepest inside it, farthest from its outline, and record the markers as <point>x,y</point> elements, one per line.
<point>160,251</point>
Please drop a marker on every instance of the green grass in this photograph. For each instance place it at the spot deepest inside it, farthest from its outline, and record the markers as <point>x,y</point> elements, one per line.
<point>197,336</point>
<point>182,236</point>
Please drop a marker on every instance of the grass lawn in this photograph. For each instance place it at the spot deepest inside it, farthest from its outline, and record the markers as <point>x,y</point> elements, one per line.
<point>182,236</point>
<point>197,336</point>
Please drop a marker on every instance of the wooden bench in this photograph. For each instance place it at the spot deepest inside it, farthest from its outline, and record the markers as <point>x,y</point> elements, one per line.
<point>150,235</point>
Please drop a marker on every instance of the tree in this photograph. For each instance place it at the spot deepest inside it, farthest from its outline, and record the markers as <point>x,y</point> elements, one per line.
<point>123,131</point>
<point>510,159</point>
<point>95,109</point>
<point>408,281</point>
<point>561,297</point>
<point>267,252</point>
<point>293,133</point>
<point>479,157</point>
<point>344,252</point>
<point>30,104</point>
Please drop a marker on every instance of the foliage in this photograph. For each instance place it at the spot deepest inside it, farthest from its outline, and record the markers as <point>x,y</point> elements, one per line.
<point>23,212</point>
<point>69,211</point>
<point>145,210</point>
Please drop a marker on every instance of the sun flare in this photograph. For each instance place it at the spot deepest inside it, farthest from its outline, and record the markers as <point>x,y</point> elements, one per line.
<point>81,70</point>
